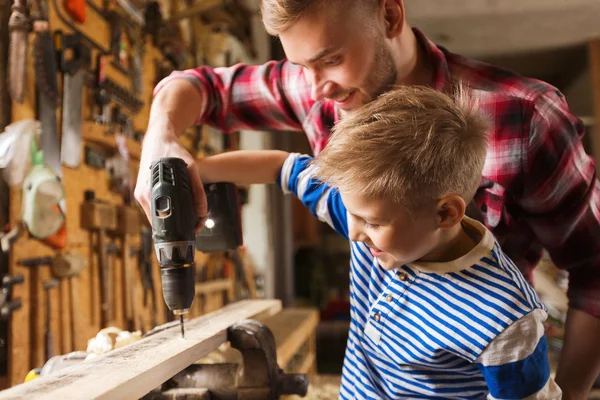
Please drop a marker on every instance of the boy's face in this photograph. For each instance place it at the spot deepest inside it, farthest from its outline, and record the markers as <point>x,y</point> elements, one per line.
<point>393,236</point>
<point>344,59</point>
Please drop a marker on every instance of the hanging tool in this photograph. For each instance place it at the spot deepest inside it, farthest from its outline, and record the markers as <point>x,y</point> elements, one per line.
<point>129,224</point>
<point>76,9</point>
<point>7,306</point>
<point>173,228</point>
<point>34,303</point>
<point>47,87</point>
<point>19,27</point>
<point>48,336</point>
<point>145,265</point>
<point>223,228</point>
<point>45,56</point>
<point>99,217</point>
<point>73,70</point>
<point>5,102</point>
<point>69,266</point>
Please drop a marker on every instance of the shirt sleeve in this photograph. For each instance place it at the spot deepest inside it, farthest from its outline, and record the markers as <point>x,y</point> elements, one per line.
<point>561,198</point>
<point>272,96</point>
<point>323,201</point>
<point>515,364</point>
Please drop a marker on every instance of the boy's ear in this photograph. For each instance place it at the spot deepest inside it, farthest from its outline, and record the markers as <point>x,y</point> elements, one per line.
<point>450,211</point>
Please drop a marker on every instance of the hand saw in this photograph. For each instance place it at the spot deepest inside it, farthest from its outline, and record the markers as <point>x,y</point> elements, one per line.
<point>73,70</point>
<point>47,94</point>
<point>19,26</point>
<point>4,33</point>
<point>47,87</point>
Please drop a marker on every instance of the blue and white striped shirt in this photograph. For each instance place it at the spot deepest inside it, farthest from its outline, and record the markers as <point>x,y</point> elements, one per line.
<point>466,329</point>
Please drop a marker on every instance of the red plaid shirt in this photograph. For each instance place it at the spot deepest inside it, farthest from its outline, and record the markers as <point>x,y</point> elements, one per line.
<point>539,188</point>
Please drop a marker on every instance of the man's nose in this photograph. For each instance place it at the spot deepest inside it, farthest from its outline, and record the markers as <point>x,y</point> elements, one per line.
<point>320,87</point>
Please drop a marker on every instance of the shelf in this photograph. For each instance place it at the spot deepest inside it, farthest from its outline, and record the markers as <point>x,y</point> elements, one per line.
<point>95,133</point>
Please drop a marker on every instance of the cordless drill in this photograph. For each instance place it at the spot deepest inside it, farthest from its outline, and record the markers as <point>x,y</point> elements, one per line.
<point>173,228</point>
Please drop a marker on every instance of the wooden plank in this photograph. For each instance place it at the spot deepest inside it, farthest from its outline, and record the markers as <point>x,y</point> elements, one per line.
<point>594,60</point>
<point>291,328</point>
<point>134,370</point>
<point>307,364</point>
<point>212,286</point>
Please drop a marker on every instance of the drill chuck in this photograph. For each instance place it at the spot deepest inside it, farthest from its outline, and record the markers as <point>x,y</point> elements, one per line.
<point>178,293</point>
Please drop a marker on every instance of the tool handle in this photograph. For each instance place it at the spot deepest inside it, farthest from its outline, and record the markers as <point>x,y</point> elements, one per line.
<point>105,308</point>
<point>74,316</point>
<point>7,309</point>
<point>128,280</point>
<point>10,280</point>
<point>35,262</point>
<point>49,348</point>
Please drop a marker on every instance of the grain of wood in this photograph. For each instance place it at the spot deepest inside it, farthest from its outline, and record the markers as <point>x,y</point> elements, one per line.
<point>134,370</point>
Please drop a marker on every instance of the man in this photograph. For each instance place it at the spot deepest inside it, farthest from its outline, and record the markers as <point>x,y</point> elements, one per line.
<point>539,187</point>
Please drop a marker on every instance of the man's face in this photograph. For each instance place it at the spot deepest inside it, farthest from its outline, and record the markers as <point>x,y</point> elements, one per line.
<point>394,237</point>
<point>345,59</point>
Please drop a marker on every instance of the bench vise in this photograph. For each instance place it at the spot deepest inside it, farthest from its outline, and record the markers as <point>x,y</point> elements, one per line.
<point>258,377</point>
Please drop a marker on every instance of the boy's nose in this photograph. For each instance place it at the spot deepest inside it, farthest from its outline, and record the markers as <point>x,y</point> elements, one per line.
<point>356,234</point>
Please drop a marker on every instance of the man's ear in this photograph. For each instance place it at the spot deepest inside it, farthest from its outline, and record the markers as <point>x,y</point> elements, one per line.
<point>393,13</point>
<point>450,211</point>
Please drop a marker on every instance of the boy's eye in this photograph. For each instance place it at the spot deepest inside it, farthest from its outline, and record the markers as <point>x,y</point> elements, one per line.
<point>371,226</point>
<point>332,62</point>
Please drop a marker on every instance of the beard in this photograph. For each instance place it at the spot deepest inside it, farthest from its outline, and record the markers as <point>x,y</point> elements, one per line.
<point>383,73</point>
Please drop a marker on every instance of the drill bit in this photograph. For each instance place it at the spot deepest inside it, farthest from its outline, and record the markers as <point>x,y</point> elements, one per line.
<point>181,326</point>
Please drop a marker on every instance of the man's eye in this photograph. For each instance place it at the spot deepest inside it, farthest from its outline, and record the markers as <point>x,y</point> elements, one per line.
<point>332,62</point>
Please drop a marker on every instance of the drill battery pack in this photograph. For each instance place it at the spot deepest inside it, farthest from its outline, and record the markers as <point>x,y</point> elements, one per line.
<point>223,228</point>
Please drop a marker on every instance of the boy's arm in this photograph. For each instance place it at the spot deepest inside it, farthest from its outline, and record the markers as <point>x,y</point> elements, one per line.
<point>515,364</point>
<point>324,202</point>
<point>243,167</point>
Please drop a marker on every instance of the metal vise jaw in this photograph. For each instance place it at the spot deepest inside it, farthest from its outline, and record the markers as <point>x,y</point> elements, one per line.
<point>257,378</point>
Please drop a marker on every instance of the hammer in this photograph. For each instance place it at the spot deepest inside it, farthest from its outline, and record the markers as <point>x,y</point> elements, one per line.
<point>69,266</point>
<point>49,338</point>
<point>99,217</point>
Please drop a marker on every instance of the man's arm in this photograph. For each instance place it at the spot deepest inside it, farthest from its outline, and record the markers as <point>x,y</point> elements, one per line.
<point>562,203</point>
<point>273,96</point>
<point>515,363</point>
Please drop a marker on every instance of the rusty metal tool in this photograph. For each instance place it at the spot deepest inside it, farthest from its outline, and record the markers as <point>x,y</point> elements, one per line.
<point>69,266</point>
<point>257,377</point>
<point>48,336</point>
<point>100,217</point>
<point>19,27</point>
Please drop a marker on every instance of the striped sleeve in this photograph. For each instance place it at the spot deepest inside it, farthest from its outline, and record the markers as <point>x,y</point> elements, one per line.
<point>323,201</point>
<point>515,364</point>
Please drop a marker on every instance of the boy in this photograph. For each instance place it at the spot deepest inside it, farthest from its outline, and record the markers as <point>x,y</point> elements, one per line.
<point>437,310</point>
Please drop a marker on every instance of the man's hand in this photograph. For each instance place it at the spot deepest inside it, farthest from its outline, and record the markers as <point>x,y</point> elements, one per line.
<point>161,141</point>
<point>580,359</point>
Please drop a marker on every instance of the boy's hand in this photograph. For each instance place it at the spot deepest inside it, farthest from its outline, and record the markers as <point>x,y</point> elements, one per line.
<point>160,142</point>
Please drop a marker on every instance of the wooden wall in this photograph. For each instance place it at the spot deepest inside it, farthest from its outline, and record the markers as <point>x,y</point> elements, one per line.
<point>26,349</point>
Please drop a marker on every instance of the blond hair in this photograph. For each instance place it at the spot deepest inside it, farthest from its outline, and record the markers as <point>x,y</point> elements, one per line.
<point>279,15</point>
<point>412,144</point>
